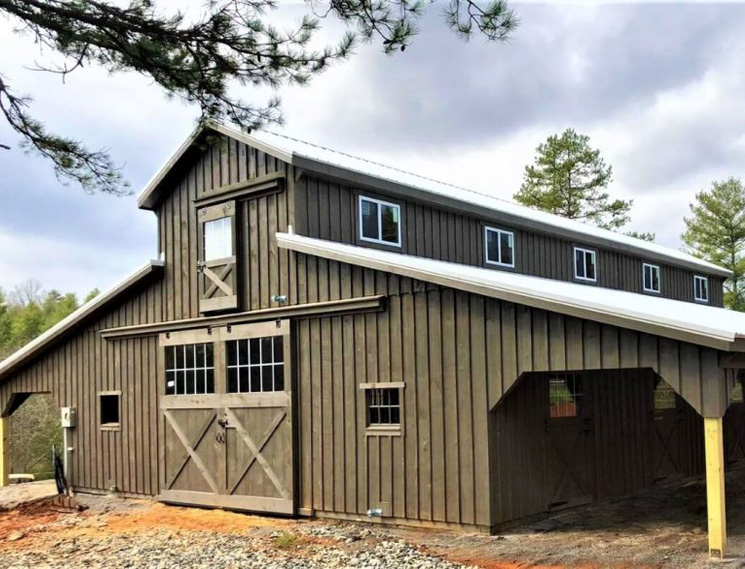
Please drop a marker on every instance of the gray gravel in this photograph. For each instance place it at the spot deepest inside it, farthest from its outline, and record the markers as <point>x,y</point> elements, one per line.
<point>166,549</point>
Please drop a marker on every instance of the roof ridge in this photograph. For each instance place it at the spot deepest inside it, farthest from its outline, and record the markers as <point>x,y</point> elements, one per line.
<point>388,166</point>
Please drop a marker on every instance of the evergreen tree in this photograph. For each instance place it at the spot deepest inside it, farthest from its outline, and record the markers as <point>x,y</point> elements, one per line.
<point>568,178</point>
<point>716,232</point>
<point>199,59</point>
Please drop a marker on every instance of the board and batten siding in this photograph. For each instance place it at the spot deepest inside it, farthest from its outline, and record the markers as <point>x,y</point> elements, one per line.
<point>263,268</point>
<point>457,354</point>
<point>329,210</point>
<point>77,370</point>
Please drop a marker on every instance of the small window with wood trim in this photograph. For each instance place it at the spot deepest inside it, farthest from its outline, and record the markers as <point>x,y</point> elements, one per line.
<point>651,278</point>
<point>256,365</point>
<point>565,396</point>
<point>109,409</point>
<point>585,265</point>
<point>383,406</point>
<point>190,369</point>
<point>380,221</point>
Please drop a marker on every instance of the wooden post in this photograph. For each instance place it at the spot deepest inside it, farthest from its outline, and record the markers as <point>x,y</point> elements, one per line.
<point>4,450</point>
<point>714,439</point>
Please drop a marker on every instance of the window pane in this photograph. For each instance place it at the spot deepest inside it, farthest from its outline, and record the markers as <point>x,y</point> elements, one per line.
<point>218,239</point>
<point>191,383</point>
<point>180,382</point>
<point>506,248</point>
<point>267,378</point>
<point>279,377</point>
<point>233,380</point>
<point>590,265</point>
<point>369,219</point>
<point>255,355</point>
<point>170,357</point>
<point>389,218</point>
<point>210,380</point>
<point>180,355</point>
<point>279,349</point>
<point>170,383</point>
<point>492,246</point>
<point>579,264</point>
<point>255,379</point>
<point>655,278</point>
<point>266,350</point>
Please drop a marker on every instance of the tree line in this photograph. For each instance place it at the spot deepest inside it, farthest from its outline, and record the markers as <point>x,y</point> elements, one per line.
<point>570,178</point>
<point>27,311</point>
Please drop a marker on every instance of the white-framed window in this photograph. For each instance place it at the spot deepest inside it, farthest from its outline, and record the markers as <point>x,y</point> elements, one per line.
<point>585,265</point>
<point>651,278</point>
<point>380,222</point>
<point>500,247</point>
<point>218,239</point>
<point>700,288</point>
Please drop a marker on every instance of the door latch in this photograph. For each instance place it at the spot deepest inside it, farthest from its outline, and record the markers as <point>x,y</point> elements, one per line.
<point>223,423</point>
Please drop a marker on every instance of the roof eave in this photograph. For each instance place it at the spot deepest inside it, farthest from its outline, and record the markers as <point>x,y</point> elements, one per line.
<point>708,338</point>
<point>82,315</point>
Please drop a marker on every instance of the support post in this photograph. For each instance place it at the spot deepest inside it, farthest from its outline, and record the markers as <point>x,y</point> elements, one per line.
<point>4,450</point>
<point>714,440</point>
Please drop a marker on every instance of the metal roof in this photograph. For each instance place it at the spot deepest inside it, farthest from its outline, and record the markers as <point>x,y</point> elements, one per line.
<point>71,322</point>
<point>359,170</point>
<point>696,323</point>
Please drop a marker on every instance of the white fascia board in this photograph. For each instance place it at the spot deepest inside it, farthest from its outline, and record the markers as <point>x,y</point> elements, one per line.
<point>704,325</point>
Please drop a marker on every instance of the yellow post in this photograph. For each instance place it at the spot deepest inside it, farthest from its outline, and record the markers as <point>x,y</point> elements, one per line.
<point>714,438</point>
<point>4,448</point>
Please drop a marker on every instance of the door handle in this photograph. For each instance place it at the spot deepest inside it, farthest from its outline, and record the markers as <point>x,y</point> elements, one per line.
<point>220,437</point>
<point>223,423</point>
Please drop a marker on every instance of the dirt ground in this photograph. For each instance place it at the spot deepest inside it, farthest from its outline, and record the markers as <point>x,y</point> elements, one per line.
<point>664,528</point>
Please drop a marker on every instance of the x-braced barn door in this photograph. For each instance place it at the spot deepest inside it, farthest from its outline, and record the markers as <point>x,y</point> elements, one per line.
<point>227,418</point>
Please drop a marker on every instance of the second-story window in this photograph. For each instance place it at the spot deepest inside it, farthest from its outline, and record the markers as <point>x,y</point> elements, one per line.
<point>651,277</point>
<point>500,247</point>
<point>585,265</point>
<point>218,239</point>
<point>700,289</point>
<point>380,222</point>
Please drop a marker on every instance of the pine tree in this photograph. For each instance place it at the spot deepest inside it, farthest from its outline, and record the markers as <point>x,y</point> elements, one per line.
<point>716,232</point>
<point>200,60</point>
<point>568,178</point>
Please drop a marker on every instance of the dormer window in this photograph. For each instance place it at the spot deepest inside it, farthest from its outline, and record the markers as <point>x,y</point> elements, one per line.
<point>500,247</point>
<point>700,288</point>
<point>380,222</point>
<point>585,265</point>
<point>651,278</point>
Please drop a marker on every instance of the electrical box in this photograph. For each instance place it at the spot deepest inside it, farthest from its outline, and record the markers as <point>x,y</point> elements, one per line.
<point>69,417</point>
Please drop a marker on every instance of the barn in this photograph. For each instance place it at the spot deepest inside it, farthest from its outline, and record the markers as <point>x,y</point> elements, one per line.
<point>321,335</point>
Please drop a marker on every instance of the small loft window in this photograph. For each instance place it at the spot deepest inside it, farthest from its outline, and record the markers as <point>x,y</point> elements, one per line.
<point>218,239</point>
<point>500,247</point>
<point>565,396</point>
<point>585,265</point>
<point>380,222</point>
<point>109,409</point>
<point>701,288</point>
<point>383,407</point>
<point>651,277</point>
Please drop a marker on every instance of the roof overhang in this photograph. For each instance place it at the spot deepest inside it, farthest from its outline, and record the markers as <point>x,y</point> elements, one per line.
<point>80,317</point>
<point>662,317</point>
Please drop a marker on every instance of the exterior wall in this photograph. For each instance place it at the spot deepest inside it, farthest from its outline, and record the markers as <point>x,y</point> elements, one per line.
<point>77,370</point>
<point>328,210</point>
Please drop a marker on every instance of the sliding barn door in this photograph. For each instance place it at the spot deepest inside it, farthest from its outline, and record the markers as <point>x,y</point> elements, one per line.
<point>227,418</point>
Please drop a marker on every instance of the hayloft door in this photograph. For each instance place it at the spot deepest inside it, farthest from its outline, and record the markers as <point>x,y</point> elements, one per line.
<point>217,265</point>
<point>227,418</point>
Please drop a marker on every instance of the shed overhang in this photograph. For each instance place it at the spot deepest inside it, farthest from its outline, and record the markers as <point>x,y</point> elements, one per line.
<point>698,324</point>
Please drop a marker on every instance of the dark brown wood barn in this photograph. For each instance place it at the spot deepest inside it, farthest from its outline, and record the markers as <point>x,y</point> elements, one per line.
<point>325,336</point>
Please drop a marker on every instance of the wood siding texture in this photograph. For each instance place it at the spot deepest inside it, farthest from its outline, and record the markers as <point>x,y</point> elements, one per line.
<point>329,210</point>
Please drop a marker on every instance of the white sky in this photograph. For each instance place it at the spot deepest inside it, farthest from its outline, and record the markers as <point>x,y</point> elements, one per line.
<point>659,89</point>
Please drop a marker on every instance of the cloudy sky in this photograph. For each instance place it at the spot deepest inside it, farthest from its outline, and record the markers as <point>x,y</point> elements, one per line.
<point>659,89</point>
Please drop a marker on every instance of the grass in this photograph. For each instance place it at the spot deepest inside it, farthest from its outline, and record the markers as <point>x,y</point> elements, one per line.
<point>285,539</point>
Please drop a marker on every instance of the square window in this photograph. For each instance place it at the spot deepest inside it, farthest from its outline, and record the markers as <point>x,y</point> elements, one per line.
<point>700,289</point>
<point>255,365</point>
<point>109,409</point>
<point>500,247</point>
<point>651,277</point>
<point>380,222</point>
<point>383,406</point>
<point>189,369</point>
<point>585,265</point>
<point>218,239</point>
